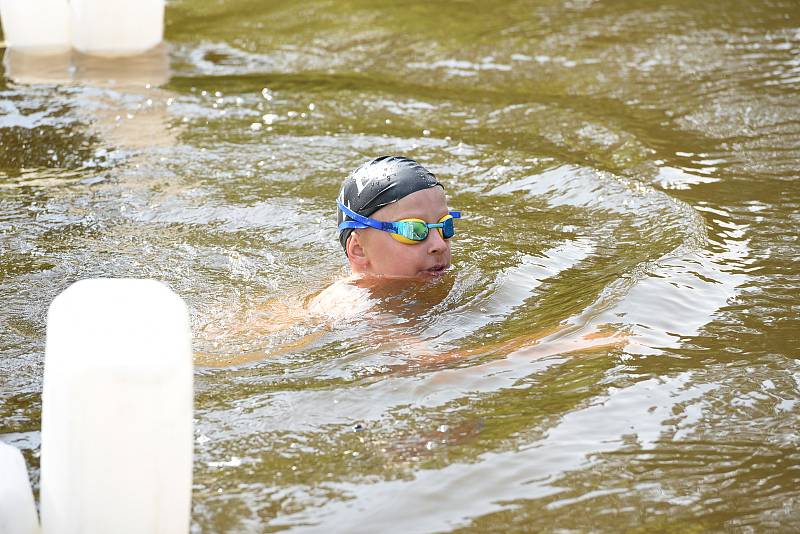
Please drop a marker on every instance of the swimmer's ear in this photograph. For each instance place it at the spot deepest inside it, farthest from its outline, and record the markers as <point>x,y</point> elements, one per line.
<point>356,252</point>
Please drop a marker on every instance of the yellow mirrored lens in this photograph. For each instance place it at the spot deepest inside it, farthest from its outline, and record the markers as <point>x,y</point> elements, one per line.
<point>412,231</point>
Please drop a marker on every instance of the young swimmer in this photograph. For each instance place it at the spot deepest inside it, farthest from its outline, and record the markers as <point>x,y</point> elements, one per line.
<point>394,224</point>
<point>394,221</point>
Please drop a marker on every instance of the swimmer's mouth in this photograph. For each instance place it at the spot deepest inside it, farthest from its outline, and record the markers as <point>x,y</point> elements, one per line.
<point>437,269</point>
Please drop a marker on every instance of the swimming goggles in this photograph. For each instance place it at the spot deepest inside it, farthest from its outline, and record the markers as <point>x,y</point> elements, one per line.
<point>408,231</point>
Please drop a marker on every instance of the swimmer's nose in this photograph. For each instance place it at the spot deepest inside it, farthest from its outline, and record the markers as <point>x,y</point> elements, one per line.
<point>435,242</point>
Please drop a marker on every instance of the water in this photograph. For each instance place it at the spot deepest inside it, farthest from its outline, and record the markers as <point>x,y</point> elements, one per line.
<point>622,167</point>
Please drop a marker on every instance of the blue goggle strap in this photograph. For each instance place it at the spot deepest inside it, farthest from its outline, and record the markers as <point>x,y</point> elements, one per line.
<point>359,221</point>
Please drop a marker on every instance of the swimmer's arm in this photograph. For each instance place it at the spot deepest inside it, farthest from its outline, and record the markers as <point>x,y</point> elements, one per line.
<point>207,359</point>
<point>273,316</point>
<point>592,341</point>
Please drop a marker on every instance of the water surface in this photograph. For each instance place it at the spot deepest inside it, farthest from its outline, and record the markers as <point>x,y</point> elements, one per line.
<point>623,167</point>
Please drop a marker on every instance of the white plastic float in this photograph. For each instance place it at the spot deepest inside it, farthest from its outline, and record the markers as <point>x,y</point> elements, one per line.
<point>99,27</point>
<point>17,509</point>
<point>116,27</point>
<point>117,410</point>
<point>36,25</point>
<point>42,34</point>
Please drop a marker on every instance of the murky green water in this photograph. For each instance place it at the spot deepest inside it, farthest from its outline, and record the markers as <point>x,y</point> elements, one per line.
<point>622,166</point>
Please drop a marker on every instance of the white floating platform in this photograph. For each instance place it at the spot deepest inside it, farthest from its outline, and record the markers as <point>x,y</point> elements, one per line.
<point>17,509</point>
<point>117,410</point>
<point>40,26</point>
<point>99,27</point>
<point>116,27</point>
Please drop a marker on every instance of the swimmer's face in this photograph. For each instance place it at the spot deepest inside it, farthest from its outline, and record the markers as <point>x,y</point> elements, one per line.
<point>375,252</point>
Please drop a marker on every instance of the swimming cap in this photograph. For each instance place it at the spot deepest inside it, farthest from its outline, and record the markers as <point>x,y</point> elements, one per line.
<point>380,182</point>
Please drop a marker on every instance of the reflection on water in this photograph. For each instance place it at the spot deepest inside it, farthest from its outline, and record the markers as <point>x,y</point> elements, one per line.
<point>23,66</point>
<point>33,68</point>
<point>616,345</point>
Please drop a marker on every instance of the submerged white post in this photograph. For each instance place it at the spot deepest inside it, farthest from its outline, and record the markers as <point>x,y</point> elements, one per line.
<point>17,509</point>
<point>116,27</point>
<point>36,25</point>
<point>117,410</point>
<point>24,66</point>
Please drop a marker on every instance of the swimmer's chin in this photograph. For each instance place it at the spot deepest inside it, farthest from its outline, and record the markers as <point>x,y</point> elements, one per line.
<point>426,274</point>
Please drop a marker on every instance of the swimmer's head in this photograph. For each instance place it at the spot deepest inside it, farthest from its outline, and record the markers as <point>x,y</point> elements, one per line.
<point>391,189</point>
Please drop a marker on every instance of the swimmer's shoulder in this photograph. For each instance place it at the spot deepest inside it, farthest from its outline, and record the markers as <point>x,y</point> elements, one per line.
<point>343,298</point>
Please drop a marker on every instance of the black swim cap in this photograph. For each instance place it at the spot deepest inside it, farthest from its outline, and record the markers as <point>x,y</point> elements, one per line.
<point>380,182</point>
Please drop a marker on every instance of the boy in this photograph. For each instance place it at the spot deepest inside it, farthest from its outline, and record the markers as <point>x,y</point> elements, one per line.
<point>393,220</point>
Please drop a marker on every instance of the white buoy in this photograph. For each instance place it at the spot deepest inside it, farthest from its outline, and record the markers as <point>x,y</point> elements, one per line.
<point>116,27</point>
<point>117,410</point>
<point>36,25</point>
<point>17,509</point>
